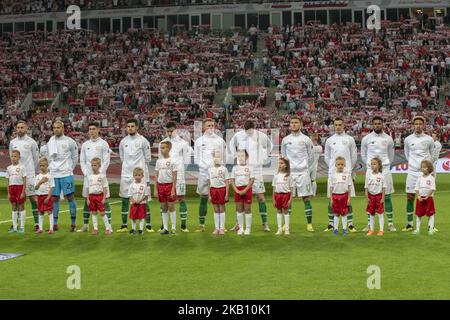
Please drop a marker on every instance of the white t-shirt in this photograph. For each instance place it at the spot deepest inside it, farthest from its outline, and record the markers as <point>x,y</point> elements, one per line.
<point>96,183</point>
<point>375,183</point>
<point>15,174</point>
<point>425,184</point>
<point>242,175</point>
<point>138,191</point>
<point>340,182</point>
<point>218,176</point>
<point>282,183</point>
<point>165,168</point>
<point>44,188</point>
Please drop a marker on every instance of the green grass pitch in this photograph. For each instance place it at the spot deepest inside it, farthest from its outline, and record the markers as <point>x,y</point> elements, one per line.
<point>261,266</point>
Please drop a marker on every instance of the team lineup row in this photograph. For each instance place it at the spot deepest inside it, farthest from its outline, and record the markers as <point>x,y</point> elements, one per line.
<point>295,177</point>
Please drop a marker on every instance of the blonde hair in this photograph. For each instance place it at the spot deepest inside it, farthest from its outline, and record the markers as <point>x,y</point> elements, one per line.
<point>96,160</point>
<point>43,160</point>
<point>340,159</point>
<point>138,171</point>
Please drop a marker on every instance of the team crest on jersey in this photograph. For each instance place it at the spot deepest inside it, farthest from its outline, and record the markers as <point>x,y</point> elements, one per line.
<point>17,170</point>
<point>378,179</point>
<point>26,146</point>
<point>424,143</point>
<point>428,182</point>
<point>301,142</point>
<point>384,142</point>
<point>65,146</point>
<point>99,179</point>
<point>344,178</point>
<point>285,178</point>
<point>246,170</point>
<point>167,163</point>
<point>345,142</point>
<point>98,148</point>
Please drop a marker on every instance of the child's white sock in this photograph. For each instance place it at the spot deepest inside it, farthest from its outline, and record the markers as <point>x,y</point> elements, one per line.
<point>222,221</point>
<point>336,222</point>
<point>165,218</point>
<point>51,221</point>
<point>95,221</point>
<point>381,221</point>
<point>371,222</point>
<point>240,219</point>
<point>248,221</point>
<point>279,220</point>
<point>23,216</point>
<point>431,222</point>
<point>14,220</point>
<point>173,219</point>
<point>106,222</point>
<point>344,222</point>
<point>216,220</point>
<point>133,224</point>
<point>41,221</point>
<point>286,221</point>
<point>418,221</point>
<point>141,224</point>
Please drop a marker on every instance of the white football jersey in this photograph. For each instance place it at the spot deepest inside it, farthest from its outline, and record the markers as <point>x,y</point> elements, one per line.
<point>425,184</point>
<point>242,175</point>
<point>380,146</point>
<point>91,149</point>
<point>29,153</point>
<point>63,162</point>
<point>204,148</point>
<point>282,183</point>
<point>256,143</point>
<point>418,148</point>
<point>298,148</point>
<point>15,174</point>
<point>138,191</point>
<point>341,145</point>
<point>134,153</point>
<point>218,176</point>
<point>44,188</point>
<point>96,183</point>
<point>375,183</point>
<point>166,167</point>
<point>340,182</point>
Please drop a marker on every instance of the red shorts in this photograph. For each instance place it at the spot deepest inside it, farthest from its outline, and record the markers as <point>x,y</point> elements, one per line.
<point>95,203</point>
<point>281,200</point>
<point>246,198</point>
<point>164,190</point>
<point>374,204</point>
<point>340,207</point>
<point>218,195</point>
<point>15,192</point>
<point>138,211</point>
<point>42,207</point>
<point>425,207</point>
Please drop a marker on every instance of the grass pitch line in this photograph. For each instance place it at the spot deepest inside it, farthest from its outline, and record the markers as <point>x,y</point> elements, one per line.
<point>29,217</point>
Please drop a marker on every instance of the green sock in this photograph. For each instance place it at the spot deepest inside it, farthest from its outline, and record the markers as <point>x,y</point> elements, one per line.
<point>308,211</point>
<point>368,218</point>
<point>34,209</point>
<point>330,215</point>
<point>203,209</point>
<point>410,211</point>
<point>108,211</point>
<point>183,214</point>
<point>350,215</point>
<point>388,207</point>
<point>125,209</point>
<point>263,211</point>
<point>86,213</point>
<point>147,216</point>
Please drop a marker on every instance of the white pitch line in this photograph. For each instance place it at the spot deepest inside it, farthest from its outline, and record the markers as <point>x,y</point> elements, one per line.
<point>29,217</point>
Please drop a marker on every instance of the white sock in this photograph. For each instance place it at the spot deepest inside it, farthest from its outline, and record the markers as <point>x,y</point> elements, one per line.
<point>106,222</point>
<point>279,220</point>
<point>286,221</point>
<point>173,219</point>
<point>418,220</point>
<point>240,219</point>
<point>336,222</point>
<point>14,219</point>
<point>23,216</point>
<point>248,221</point>
<point>222,221</point>
<point>165,218</point>
<point>372,222</point>
<point>381,221</point>
<point>344,222</point>
<point>41,221</point>
<point>51,221</point>
<point>133,224</point>
<point>431,222</point>
<point>141,224</point>
<point>216,220</point>
<point>95,221</point>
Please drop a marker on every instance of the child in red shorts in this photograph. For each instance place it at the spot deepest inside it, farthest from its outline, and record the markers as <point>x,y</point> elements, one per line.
<point>44,189</point>
<point>375,187</point>
<point>166,179</point>
<point>138,193</point>
<point>218,178</point>
<point>97,185</point>
<point>17,182</point>
<point>425,187</point>
<point>283,186</point>
<point>340,189</point>
<point>242,179</point>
